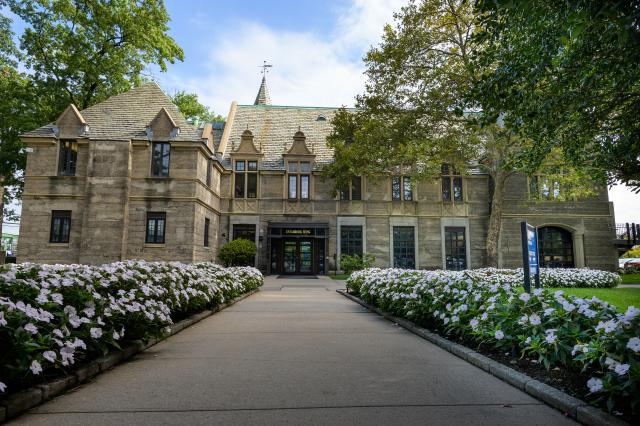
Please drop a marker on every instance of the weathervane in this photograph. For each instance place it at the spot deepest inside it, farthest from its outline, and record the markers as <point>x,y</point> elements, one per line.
<point>265,68</point>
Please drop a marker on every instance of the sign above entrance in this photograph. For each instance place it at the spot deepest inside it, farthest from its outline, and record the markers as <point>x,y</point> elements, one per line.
<point>289,231</point>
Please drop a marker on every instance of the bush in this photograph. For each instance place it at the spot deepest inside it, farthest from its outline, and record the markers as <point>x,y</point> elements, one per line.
<point>490,309</point>
<point>239,252</point>
<point>52,316</point>
<point>349,263</point>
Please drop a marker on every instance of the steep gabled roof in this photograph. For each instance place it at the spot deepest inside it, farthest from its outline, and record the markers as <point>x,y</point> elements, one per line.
<point>126,116</point>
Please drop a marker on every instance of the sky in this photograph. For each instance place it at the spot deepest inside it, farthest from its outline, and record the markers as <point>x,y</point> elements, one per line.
<point>315,47</point>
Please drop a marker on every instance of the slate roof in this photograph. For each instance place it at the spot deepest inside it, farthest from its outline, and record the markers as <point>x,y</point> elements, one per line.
<point>125,116</point>
<point>273,128</point>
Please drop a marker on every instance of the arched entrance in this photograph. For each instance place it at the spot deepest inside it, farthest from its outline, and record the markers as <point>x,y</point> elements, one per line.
<point>555,246</point>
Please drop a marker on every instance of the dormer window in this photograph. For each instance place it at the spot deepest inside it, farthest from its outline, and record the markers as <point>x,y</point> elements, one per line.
<point>298,178</point>
<point>160,156</point>
<point>246,179</point>
<point>68,157</point>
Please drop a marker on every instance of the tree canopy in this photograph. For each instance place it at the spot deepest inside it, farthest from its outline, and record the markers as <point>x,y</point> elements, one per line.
<point>192,109</point>
<point>565,73</point>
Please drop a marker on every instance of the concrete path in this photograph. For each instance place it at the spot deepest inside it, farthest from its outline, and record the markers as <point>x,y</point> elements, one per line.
<point>294,353</point>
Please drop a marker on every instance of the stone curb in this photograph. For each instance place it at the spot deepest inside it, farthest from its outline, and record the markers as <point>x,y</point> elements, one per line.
<point>573,407</point>
<point>22,401</point>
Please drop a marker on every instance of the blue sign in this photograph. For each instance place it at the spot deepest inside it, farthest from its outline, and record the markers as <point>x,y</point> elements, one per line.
<point>532,249</point>
<point>530,255</point>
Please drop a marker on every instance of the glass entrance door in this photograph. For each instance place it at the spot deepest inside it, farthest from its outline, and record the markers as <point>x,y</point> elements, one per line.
<point>290,258</point>
<point>306,256</point>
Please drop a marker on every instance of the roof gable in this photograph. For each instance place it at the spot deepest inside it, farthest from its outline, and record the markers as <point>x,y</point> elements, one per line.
<point>70,124</point>
<point>246,146</point>
<point>162,127</point>
<point>299,146</point>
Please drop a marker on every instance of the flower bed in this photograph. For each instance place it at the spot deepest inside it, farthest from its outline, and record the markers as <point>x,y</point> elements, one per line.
<point>52,316</point>
<point>486,307</point>
<point>558,277</point>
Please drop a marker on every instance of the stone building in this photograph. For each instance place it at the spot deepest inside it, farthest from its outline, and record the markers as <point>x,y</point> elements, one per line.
<point>129,178</point>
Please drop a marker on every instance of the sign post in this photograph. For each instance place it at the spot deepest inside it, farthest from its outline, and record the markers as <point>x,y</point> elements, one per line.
<point>530,255</point>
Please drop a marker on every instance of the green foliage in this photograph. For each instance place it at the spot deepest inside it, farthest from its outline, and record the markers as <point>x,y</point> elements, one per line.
<point>633,253</point>
<point>239,252</point>
<point>350,263</point>
<point>565,73</point>
<point>193,110</point>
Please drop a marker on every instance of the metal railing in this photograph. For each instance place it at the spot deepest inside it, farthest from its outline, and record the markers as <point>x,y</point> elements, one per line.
<point>628,232</point>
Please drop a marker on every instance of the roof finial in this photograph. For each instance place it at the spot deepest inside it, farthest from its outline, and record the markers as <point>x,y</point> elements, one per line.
<point>263,97</point>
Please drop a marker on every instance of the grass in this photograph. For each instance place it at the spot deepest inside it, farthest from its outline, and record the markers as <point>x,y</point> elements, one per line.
<point>341,277</point>
<point>620,297</point>
<point>630,278</point>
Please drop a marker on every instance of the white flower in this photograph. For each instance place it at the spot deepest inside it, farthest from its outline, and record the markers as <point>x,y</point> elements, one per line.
<point>551,338</point>
<point>499,335</point>
<point>621,369</point>
<point>2,320</point>
<point>49,356</point>
<point>634,344</point>
<point>3,387</point>
<point>31,328</point>
<point>77,343</point>
<point>484,316</point>
<point>537,292</point>
<point>528,340</point>
<point>473,323</point>
<point>607,326</point>
<point>525,297</point>
<point>548,311</point>
<point>116,336</point>
<point>36,368</point>
<point>534,319</point>
<point>96,332</point>
<point>594,385</point>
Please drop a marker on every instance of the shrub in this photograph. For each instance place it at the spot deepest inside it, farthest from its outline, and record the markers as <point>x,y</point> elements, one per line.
<point>350,263</point>
<point>239,252</point>
<point>490,308</point>
<point>52,316</point>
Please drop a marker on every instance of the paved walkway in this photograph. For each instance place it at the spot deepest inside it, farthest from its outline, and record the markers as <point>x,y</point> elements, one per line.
<point>294,353</point>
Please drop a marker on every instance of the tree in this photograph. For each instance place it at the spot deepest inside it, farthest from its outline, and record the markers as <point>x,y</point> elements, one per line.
<point>566,73</point>
<point>78,52</point>
<point>193,110</point>
<point>418,111</point>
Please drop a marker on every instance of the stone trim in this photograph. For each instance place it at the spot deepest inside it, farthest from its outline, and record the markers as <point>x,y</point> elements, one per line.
<point>573,407</point>
<point>22,401</point>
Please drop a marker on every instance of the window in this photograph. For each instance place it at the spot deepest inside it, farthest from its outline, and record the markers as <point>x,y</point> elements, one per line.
<point>206,232</point>
<point>68,157</point>
<point>451,184</point>
<point>404,254</point>
<point>455,248</point>
<point>242,231</point>
<point>353,191</point>
<point>351,240</point>
<point>60,226</point>
<point>209,171</point>
<point>543,188</point>
<point>555,246</point>
<point>401,188</point>
<point>156,223</point>
<point>299,177</point>
<point>160,159</point>
<point>246,179</point>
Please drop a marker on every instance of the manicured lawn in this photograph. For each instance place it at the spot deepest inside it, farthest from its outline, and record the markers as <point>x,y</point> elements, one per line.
<point>620,297</point>
<point>341,277</point>
<point>630,278</point>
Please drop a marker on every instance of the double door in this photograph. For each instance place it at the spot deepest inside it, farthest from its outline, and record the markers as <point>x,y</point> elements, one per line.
<point>297,256</point>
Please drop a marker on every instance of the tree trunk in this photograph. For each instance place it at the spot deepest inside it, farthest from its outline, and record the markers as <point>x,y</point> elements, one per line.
<point>495,218</point>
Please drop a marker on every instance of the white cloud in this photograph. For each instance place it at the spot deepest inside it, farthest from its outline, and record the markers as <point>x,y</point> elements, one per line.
<point>308,69</point>
<point>626,204</point>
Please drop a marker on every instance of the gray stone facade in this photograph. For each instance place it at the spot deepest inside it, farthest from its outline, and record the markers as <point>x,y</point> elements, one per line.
<point>113,191</point>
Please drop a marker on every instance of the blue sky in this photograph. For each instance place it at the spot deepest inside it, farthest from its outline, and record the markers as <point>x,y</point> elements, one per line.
<point>316,48</point>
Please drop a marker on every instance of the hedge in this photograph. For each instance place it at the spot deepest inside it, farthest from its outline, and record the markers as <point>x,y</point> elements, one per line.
<point>52,316</point>
<point>490,309</point>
